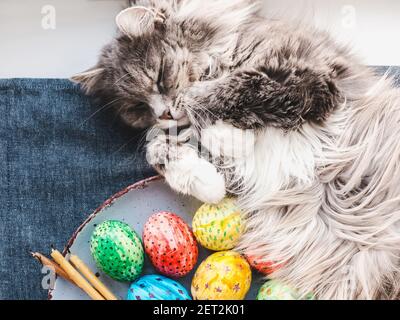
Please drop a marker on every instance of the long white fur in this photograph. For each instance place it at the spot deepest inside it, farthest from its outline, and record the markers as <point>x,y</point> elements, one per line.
<point>304,211</point>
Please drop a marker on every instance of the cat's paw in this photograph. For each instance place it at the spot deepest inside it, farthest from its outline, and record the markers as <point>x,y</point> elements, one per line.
<point>165,148</point>
<point>195,176</point>
<point>223,139</point>
<point>209,186</point>
<point>157,151</point>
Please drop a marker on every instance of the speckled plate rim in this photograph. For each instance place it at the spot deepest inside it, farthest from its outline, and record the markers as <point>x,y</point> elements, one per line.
<point>136,186</point>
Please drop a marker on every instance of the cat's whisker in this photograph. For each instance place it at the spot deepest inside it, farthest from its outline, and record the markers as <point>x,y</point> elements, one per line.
<point>102,108</point>
<point>121,78</point>
<point>201,121</point>
<point>125,144</point>
<point>142,140</point>
<point>204,109</point>
<point>117,114</point>
<point>139,143</point>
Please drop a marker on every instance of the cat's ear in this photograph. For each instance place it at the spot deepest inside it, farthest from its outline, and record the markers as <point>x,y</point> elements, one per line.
<point>89,78</point>
<point>138,21</point>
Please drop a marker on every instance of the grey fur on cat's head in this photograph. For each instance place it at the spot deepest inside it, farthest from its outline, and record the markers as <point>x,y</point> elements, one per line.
<point>162,48</point>
<point>199,61</point>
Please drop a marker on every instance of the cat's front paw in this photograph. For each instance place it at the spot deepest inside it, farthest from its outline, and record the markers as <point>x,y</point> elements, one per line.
<point>158,152</point>
<point>209,186</point>
<point>195,176</point>
<point>164,148</point>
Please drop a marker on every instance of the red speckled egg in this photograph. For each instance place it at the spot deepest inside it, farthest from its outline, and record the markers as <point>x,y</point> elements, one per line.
<point>170,244</point>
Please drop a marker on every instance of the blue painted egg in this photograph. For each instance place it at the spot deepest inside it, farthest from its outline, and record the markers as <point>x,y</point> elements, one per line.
<point>156,287</point>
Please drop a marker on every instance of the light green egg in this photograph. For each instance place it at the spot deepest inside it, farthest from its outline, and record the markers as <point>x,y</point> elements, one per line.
<point>117,250</point>
<point>275,290</point>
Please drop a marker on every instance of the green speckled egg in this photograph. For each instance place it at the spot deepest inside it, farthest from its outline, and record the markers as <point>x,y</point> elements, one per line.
<point>218,227</point>
<point>275,290</point>
<point>117,250</point>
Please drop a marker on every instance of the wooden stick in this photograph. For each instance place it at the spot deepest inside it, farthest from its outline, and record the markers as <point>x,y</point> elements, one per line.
<point>51,264</point>
<point>89,275</point>
<point>75,275</point>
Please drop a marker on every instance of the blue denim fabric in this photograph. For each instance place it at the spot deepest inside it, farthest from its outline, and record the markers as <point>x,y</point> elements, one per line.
<point>57,165</point>
<point>55,169</point>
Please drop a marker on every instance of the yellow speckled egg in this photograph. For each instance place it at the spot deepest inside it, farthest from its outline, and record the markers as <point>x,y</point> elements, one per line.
<point>218,227</point>
<point>224,275</point>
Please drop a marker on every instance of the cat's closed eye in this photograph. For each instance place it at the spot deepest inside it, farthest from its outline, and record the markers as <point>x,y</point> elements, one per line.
<point>160,80</point>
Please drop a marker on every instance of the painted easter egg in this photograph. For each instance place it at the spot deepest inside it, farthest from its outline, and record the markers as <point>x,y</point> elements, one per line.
<point>261,266</point>
<point>157,287</point>
<point>218,227</point>
<point>170,244</point>
<point>275,290</point>
<point>224,275</point>
<point>117,250</point>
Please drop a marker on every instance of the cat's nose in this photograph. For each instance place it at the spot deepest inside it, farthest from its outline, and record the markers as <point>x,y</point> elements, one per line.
<point>166,115</point>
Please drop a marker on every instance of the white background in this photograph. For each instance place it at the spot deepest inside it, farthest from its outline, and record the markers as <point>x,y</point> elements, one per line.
<point>372,27</point>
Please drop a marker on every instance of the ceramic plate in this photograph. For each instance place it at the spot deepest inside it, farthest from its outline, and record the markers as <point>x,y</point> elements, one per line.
<point>134,206</point>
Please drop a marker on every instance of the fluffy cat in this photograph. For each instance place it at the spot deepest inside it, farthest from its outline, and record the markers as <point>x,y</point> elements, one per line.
<point>297,128</point>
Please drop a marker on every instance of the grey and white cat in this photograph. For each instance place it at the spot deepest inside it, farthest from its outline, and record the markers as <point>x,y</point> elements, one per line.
<point>315,158</point>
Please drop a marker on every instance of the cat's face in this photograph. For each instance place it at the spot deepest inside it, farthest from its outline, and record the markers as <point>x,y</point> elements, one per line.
<point>159,54</point>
